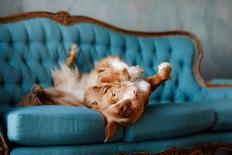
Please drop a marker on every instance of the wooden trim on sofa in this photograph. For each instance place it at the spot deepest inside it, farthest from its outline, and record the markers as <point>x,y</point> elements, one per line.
<point>202,149</point>
<point>3,146</point>
<point>65,18</point>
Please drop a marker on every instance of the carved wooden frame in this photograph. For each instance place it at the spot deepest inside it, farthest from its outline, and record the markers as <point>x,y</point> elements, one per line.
<point>65,18</point>
<point>3,145</point>
<point>203,149</point>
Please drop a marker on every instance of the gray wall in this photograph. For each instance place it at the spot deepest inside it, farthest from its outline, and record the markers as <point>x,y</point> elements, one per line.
<point>210,20</point>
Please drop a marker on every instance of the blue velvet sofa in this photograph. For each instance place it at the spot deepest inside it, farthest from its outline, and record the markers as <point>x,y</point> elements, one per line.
<point>182,113</point>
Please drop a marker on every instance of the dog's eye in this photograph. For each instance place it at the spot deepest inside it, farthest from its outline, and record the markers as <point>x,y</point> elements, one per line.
<point>113,94</point>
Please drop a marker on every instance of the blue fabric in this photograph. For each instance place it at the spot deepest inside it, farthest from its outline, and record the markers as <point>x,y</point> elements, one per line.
<point>223,112</point>
<point>205,94</point>
<point>56,125</point>
<point>30,49</point>
<point>169,121</point>
<point>115,148</point>
<point>221,81</point>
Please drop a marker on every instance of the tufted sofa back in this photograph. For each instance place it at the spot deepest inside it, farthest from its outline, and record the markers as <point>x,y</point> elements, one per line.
<point>29,49</point>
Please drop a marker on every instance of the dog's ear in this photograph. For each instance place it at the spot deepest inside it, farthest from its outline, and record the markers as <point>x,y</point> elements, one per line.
<point>92,95</point>
<point>108,76</point>
<point>110,126</point>
<point>110,129</point>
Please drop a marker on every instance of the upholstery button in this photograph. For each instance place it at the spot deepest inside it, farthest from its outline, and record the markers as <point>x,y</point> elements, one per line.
<point>6,59</point>
<point>176,82</point>
<point>181,64</point>
<point>37,81</point>
<point>55,60</point>
<point>23,60</point>
<point>150,64</point>
<point>171,98</point>
<point>123,47</point>
<point>158,98</point>
<point>10,42</point>
<point>170,49</point>
<point>186,99</point>
<point>19,82</point>
<point>40,60</point>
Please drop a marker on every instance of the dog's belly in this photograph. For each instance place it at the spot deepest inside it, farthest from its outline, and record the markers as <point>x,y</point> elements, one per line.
<point>70,82</point>
<point>75,87</point>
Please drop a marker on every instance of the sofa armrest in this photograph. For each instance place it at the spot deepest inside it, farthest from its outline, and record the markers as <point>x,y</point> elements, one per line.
<point>216,89</point>
<point>3,144</point>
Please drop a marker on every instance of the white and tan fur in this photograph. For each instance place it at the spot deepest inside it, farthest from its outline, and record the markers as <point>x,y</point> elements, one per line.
<point>112,88</point>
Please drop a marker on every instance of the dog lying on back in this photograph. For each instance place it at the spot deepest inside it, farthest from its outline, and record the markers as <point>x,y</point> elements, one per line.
<point>114,89</point>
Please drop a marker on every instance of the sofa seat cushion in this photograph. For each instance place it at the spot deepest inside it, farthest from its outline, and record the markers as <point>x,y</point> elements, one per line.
<point>223,113</point>
<point>119,148</point>
<point>169,120</point>
<point>55,125</point>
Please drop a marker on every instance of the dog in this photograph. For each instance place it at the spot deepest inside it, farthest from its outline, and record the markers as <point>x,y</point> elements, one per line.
<point>114,89</point>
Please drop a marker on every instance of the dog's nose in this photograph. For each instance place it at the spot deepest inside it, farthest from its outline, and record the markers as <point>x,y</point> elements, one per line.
<point>133,92</point>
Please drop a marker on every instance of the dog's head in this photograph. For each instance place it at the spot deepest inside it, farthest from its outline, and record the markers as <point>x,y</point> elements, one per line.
<point>119,102</point>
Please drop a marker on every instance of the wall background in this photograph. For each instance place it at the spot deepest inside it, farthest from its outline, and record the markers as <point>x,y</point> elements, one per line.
<point>210,20</point>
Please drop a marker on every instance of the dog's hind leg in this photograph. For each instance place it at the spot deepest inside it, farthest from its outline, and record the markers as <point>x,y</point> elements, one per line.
<point>48,96</point>
<point>71,55</point>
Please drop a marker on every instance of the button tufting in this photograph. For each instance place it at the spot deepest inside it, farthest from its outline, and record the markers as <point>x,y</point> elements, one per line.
<point>176,82</point>
<point>10,42</point>
<point>123,46</point>
<point>151,64</point>
<point>19,82</point>
<point>169,49</point>
<point>23,59</point>
<point>56,59</point>
<point>40,60</point>
<point>171,98</point>
<point>6,59</point>
<point>181,64</point>
<point>38,46</point>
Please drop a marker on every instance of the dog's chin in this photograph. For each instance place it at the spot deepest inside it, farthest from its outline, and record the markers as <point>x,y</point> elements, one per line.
<point>129,117</point>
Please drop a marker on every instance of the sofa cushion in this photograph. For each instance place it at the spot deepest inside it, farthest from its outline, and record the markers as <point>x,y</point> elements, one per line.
<point>169,120</point>
<point>55,125</point>
<point>223,112</point>
<point>119,148</point>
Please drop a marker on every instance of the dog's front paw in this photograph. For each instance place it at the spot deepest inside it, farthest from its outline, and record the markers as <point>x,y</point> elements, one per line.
<point>164,70</point>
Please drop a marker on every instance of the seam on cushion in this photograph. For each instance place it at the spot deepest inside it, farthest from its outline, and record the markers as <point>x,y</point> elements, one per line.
<point>56,117</point>
<point>184,116</point>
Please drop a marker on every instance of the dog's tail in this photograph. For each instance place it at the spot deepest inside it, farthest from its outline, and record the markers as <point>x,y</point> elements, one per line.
<point>33,98</point>
<point>30,99</point>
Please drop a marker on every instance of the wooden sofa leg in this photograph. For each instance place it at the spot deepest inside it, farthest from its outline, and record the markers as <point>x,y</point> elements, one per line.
<point>3,146</point>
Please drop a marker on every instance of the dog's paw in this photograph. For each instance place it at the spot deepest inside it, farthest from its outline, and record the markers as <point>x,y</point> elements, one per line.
<point>135,72</point>
<point>164,70</point>
<point>73,50</point>
<point>36,89</point>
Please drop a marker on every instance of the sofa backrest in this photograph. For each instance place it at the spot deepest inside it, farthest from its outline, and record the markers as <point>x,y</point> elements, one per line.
<point>32,44</point>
